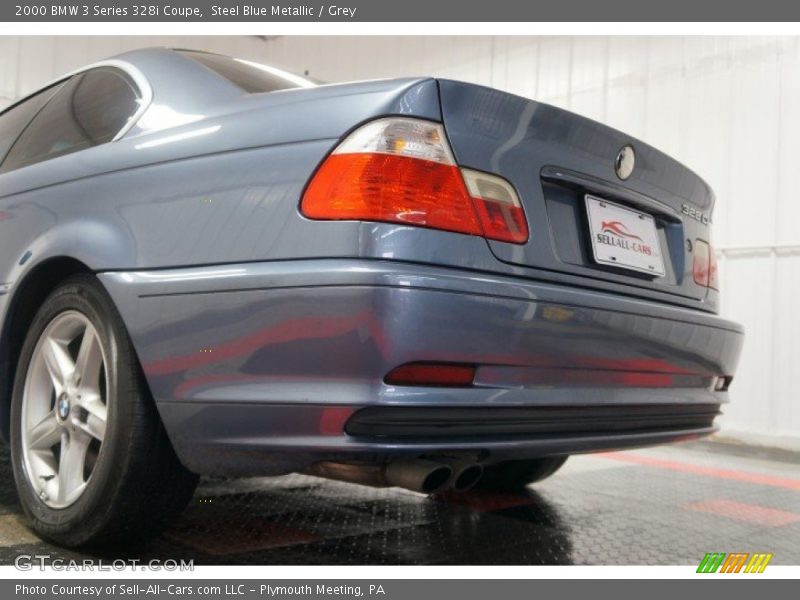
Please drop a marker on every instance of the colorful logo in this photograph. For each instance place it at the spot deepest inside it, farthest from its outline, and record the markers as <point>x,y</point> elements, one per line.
<point>737,562</point>
<point>618,228</point>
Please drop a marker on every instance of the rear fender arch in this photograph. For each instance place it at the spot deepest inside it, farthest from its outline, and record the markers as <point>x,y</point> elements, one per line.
<point>80,246</point>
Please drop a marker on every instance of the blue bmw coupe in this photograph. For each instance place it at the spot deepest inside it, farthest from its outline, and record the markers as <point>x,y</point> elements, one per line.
<point>213,266</point>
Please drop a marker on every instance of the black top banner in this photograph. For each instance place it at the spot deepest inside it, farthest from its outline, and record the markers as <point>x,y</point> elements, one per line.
<point>400,10</point>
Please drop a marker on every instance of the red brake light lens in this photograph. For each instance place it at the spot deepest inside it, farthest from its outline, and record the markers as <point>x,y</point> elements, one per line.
<point>401,170</point>
<point>394,189</point>
<point>498,206</point>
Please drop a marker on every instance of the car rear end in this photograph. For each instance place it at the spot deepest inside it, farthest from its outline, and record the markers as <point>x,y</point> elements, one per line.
<point>575,175</point>
<point>621,348</point>
<point>522,282</point>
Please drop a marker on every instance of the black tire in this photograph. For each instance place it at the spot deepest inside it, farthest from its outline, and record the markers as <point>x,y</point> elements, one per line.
<point>137,485</point>
<point>516,474</point>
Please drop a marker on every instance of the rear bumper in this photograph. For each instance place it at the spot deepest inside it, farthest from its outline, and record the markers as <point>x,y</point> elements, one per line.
<point>260,368</point>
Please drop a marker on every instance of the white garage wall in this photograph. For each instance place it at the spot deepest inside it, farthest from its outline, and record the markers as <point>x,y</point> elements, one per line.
<point>728,107</point>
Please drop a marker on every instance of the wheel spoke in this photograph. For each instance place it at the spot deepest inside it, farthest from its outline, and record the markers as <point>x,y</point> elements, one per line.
<point>64,412</point>
<point>45,467</point>
<point>93,427</point>
<point>45,434</point>
<point>89,361</point>
<point>70,468</point>
<point>50,488</point>
<point>58,361</point>
<point>95,424</point>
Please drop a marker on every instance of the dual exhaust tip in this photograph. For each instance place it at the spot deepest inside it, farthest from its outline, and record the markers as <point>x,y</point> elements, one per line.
<point>426,476</point>
<point>431,477</point>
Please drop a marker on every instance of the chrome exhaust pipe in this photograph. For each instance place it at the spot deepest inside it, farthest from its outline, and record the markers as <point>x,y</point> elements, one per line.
<point>465,475</point>
<point>419,475</point>
<point>415,474</point>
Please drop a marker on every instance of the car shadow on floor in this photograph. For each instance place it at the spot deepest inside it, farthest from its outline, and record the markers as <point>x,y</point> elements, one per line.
<point>299,519</point>
<point>599,510</point>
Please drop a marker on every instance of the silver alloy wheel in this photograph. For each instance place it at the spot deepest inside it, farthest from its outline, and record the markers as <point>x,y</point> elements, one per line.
<point>64,409</point>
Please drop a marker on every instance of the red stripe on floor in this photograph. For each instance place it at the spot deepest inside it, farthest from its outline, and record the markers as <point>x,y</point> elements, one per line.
<point>647,461</point>
<point>761,515</point>
<point>487,501</point>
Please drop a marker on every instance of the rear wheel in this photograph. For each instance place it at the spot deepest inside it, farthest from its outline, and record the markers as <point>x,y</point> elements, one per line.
<point>516,474</point>
<point>91,461</point>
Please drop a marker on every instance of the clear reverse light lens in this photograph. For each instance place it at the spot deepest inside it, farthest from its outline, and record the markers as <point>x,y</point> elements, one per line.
<point>411,138</point>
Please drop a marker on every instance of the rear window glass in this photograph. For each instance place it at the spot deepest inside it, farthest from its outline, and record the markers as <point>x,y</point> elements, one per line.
<point>251,77</point>
<point>14,120</point>
<point>88,110</point>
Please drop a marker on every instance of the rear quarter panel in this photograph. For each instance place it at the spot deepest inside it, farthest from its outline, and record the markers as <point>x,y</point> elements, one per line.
<point>221,189</point>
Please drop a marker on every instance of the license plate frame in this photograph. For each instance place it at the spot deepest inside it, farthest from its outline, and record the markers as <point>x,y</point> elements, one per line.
<point>623,237</point>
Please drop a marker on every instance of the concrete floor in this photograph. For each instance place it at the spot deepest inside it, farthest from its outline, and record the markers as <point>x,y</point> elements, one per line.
<point>667,505</point>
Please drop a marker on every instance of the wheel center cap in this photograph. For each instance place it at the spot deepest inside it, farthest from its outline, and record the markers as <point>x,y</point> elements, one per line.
<point>63,407</point>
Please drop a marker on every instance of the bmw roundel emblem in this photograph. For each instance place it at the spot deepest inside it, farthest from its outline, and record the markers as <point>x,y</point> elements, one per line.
<point>63,407</point>
<point>625,161</point>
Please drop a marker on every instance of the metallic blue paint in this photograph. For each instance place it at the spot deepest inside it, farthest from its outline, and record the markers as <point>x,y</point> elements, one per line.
<point>554,158</point>
<point>254,325</point>
<point>243,359</point>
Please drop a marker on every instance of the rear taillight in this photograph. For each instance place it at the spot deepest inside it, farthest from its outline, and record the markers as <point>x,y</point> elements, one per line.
<point>401,170</point>
<point>704,268</point>
<point>713,269</point>
<point>498,207</point>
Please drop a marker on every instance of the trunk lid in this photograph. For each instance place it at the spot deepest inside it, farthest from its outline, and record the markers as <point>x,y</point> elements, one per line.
<point>554,159</point>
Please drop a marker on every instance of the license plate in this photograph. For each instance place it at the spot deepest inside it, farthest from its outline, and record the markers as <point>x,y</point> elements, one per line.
<point>623,237</point>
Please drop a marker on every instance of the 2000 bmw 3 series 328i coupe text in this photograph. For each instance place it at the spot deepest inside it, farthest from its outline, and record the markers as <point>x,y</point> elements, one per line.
<point>214,267</point>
